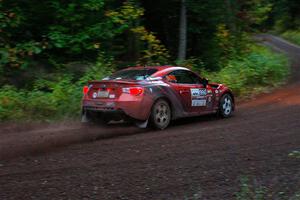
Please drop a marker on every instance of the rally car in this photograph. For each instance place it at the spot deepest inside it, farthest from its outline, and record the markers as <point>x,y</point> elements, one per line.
<point>154,95</point>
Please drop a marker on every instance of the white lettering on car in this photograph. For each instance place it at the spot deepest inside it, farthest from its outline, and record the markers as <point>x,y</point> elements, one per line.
<point>198,96</point>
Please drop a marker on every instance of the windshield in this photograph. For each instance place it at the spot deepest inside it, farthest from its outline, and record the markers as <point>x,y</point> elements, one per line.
<point>132,74</point>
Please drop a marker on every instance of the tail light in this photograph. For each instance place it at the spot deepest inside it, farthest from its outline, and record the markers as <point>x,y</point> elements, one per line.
<point>133,90</point>
<point>85,90</point>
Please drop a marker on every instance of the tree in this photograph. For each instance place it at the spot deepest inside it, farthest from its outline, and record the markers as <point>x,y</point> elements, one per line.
<point>48,34</point>
<point>182,32</point>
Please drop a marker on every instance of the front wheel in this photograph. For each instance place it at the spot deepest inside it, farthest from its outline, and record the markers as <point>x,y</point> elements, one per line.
<point>226,106</point>
<point>161,114</point>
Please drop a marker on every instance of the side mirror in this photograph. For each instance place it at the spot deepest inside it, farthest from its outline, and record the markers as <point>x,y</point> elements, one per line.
<point>205,82</point>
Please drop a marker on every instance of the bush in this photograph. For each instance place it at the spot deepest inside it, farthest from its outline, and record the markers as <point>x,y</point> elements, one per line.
<point>255,71</point>
<point>293,36</point>
<point>50,99</point>
<point>24,105</point>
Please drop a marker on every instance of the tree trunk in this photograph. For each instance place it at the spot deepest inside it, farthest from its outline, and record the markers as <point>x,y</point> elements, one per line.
<point>182,32</point>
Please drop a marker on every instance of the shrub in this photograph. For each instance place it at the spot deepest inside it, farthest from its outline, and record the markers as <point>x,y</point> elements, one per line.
<point>253,72</point>
<point>51,99</point>
<point>293,36</point>
<point>25,105</point>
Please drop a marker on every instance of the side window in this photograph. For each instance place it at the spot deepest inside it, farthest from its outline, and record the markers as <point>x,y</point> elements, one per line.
<point>185,77</point>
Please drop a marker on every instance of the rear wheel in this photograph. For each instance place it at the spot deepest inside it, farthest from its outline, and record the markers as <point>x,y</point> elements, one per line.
<point>161,114</point>
<point>226,106</point>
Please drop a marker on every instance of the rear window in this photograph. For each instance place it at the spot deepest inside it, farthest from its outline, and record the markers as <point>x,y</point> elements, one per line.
<point>132,74</point>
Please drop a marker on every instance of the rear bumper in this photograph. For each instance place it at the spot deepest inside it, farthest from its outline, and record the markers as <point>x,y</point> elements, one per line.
<point>108,114</point>
<point>135,108</point>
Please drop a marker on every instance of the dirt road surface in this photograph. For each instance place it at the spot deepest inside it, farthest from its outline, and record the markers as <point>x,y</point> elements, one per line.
<point>196,158</point>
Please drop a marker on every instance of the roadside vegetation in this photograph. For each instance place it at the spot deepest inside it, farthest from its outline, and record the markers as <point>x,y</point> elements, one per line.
<point>293,36</point>
<point>256,72</point>
<point>58,97</point>
<point>50,49</point>
<point>254,191</point>
<point>286,20</point>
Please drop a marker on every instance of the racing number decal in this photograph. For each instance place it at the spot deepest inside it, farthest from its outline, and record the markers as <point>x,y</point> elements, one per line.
<point>198,97</point>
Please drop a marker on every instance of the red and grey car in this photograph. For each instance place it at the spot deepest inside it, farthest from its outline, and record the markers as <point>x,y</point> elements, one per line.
<point>154,95</point>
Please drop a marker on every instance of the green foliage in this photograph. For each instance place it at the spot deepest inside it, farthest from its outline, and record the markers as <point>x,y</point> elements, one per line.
<point>248,192</point>
<point>285,15</point>
<point>34,31</point>
<point>20,104</point>
<point>293,36</point>
<point>52,98</point>
<point>195,64</point>
<point>155,53</point>
<point>295,154</point>
<point>258,11</point>
<point>258,69</point>
<point>228,48</point>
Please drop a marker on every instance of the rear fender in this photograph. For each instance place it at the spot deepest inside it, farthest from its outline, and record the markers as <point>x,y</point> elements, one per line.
<point>171,97</point>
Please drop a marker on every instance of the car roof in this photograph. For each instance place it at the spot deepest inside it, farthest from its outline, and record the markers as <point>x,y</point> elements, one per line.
<point>149,67</point>
<point>159,68</point>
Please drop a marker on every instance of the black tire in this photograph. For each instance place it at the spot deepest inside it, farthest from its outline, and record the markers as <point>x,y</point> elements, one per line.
<point>226,106</point>
<point>160,114</point>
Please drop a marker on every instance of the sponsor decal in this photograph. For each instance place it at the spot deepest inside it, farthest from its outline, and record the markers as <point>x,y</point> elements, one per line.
<point>198,96</point>
<point>200,102</point>
<point>196,92</point>
<point>202,92</point>
<point>112,96</point>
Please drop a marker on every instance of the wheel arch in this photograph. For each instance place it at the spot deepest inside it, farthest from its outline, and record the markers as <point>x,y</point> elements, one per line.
<point>168,101</point>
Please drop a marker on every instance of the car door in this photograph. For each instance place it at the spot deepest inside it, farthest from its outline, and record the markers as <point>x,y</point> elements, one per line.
<point>192,93</point>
